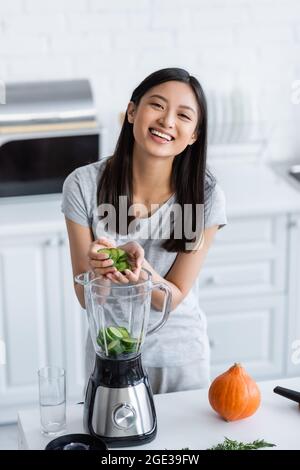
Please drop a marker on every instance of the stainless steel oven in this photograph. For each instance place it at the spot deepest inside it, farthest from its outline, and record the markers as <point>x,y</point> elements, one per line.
<point>47,129</point>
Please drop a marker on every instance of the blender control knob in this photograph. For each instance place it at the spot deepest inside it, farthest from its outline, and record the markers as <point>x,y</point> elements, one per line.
<point>124,416</point>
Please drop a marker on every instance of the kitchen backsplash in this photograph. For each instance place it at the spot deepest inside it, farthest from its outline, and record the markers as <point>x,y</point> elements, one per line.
<point>244,52</point>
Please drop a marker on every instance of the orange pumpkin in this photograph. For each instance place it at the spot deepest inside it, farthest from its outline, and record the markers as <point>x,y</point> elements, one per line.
<point>234,394</point>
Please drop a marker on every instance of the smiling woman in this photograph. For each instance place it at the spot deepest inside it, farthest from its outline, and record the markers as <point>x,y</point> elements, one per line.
<point>160,159</point>
<point>162,116</point>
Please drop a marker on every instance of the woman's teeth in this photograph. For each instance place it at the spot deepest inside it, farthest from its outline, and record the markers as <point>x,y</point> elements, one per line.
<point>160,134</point>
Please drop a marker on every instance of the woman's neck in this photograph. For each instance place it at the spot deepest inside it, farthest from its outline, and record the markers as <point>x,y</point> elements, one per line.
<point>152,177</point>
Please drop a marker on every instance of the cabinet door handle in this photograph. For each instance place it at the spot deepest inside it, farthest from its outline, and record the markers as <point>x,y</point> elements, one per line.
<point>51,242</point>
<point>210,281</point>
<point>293,224</point>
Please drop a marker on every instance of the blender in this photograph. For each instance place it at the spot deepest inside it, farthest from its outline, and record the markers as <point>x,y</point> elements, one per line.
<point>119,406</point>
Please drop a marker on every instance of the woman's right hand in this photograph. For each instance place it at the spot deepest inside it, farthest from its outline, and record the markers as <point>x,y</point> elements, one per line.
<point>100,263</point>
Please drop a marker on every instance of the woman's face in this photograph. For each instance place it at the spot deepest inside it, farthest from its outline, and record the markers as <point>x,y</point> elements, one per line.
<point>165,120</point>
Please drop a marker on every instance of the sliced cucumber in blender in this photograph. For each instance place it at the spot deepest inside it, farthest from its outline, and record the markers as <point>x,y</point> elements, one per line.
<point>100,339</point>
<point>124,331</point>
<point>130,344</point>
<point>115,347</point>
<point>118,340</point>
<point>113,333</point>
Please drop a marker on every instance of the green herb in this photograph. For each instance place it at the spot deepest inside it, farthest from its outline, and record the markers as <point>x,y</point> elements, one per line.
<point>229,444</point>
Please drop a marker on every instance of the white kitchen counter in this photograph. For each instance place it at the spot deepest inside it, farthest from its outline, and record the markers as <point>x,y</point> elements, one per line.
<point>250,189</point>
<point>31,213</point>
<point>185,419</point>
<point>256,189</point>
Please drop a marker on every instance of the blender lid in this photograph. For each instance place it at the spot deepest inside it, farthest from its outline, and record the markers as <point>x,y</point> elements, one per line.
<point>76,442</point>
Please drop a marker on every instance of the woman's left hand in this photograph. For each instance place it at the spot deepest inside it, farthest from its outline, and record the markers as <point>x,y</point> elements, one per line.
<point>136,257</point>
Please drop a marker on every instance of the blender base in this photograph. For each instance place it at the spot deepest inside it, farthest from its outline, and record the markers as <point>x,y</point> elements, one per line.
<point>119,406</point>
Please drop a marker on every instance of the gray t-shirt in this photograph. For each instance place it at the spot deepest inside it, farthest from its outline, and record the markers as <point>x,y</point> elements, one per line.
<point>183,339</point>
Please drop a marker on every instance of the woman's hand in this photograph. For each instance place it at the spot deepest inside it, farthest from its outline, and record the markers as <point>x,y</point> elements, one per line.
<point>136,257</point>
<point>100,263</point>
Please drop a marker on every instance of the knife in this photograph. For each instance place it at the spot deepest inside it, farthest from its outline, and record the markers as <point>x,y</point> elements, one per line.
<point>288,393</point>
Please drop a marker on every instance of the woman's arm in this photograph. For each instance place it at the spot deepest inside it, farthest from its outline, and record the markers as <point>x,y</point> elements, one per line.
<point>80,239</point>
<point>183,273</point>
<point>82,247</point>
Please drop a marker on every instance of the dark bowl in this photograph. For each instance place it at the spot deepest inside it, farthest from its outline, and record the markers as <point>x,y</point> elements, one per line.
<point>76,442</point>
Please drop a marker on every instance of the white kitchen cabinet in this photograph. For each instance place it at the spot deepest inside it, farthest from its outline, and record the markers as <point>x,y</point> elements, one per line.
<point>39,318</point>
<point>293,339</point>
<point>248,257</point>
<point>75,326</point>
<point>243,291</point>
<point>30,312</point>
<point>248,331</point>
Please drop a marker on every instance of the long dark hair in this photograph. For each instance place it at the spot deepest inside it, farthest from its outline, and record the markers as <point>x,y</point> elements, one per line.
<point>192,182</point>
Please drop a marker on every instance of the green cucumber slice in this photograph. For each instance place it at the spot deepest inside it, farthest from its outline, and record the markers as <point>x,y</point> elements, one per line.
<point>102,338</point>
<point>122,266</point>
<point>125,333</point>
<point>114,348</point>
<point>123,260</point>
<point>113,333</point>
<point>121,253</point>
<point>117,340</point>
<point>130,344</point>
<point>114,254</point>
<point>118,256</point>
<point>104,250</point>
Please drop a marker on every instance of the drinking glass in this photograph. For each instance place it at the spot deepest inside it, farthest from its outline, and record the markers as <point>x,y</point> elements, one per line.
<point>52,399</point>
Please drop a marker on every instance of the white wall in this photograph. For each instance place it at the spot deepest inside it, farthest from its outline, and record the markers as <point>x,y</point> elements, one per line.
<point>252,44</point>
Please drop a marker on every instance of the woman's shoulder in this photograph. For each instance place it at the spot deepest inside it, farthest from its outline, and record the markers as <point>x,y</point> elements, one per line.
<point>90,170</point>
<point>215,203</point>
<point>86,175</point>
<point>218,194</point>
<point>213,190</point>
<point>79,190</point>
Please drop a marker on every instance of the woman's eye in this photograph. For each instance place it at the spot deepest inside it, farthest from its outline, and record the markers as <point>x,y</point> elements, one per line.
<point>183,115</point>
<point>157,104</point>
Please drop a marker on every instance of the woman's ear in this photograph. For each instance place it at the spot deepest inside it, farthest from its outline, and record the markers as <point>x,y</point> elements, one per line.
<point>131,112</point>
<point>193,138</point>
